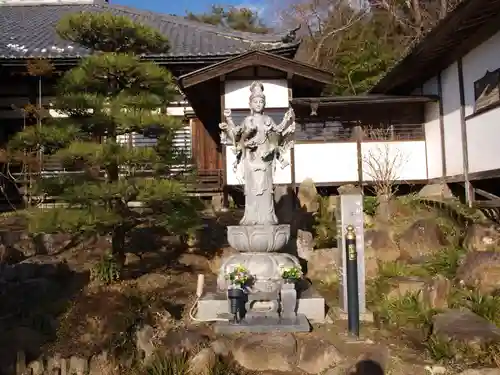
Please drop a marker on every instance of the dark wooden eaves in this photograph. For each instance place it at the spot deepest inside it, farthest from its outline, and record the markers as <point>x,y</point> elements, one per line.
<point>256,58</point>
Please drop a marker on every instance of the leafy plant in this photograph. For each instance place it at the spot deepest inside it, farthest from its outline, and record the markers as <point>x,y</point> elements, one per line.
<point>486,306</point>
<point>445,262</point>
<point>325,225</point>
<point>107,270</point>
<point>291,274</point>
<point>239,276</point>
<point>406,311</point>
<point>370,205</point>
<point>173,364</point>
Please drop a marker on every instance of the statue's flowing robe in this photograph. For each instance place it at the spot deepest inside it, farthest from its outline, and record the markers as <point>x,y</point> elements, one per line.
<point>258,175</point>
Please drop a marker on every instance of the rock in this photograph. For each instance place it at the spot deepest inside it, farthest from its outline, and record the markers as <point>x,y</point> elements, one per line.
<point>184,340</point>
<point>305,244</point>
<point>482,237</point>
<point>315,356</point>
<point>274,352</point>
<point>151,282</point>
<point>308,196</point>
<point>19,240</point>
<point>432,293</point>
<point>324,265</point>
<point>221,347</point>
<point>51,244</point>
<point>203,362</point>
<point>436,191</point>
<point>437,292</point>
<point>144,343</point>
<point>194,261</point>
<point>379,247</point>
<point>400,286</point>
<point>481,269</point>
<point>10,255</point>
<point>422,238</point>
<point>464,326</point>
<point>131,259</point>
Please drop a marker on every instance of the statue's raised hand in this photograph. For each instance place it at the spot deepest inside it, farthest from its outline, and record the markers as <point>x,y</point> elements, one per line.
<point>289,115</point>
<point>227,113</point>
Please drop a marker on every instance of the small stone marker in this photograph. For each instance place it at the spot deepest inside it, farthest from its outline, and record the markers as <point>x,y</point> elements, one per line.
<point>350,212</point>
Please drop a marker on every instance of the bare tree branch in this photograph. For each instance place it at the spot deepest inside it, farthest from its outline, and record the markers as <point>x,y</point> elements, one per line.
<point>350,22</point>
<point>383,164</point>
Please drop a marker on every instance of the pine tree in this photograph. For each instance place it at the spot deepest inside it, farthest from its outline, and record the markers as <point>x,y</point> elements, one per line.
<point>110,93</point>
<point>236,18</point>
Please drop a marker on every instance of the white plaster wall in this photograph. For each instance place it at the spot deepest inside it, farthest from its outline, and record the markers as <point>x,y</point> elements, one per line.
<point>326,162</point>
<point>483,130</point>
<point>281,176</point>
<point>237,92</point>
<point>451,120</point>
<point>406,160</point>
<point>433,141</point>
<point>483,137</point>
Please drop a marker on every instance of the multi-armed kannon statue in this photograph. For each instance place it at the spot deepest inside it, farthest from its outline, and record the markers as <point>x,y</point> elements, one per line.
<point>260,144</point>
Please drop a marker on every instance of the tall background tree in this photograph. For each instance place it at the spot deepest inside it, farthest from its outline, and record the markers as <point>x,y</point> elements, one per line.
<point>237,18</point>
<point>357,41</point>
<point>110,93</point>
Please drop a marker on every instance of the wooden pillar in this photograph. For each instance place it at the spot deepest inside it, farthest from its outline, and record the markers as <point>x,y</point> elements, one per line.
<point>469,197</point>
<point>441,128</point>
<point>358,135</point>
<point>225,188</point>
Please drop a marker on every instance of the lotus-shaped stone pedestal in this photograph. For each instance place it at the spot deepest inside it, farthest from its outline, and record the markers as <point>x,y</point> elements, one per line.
<point>258,246</point>
<point>258,238</point>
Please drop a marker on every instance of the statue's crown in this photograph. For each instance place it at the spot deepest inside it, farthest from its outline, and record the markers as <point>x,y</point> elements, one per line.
<point>257,90</point>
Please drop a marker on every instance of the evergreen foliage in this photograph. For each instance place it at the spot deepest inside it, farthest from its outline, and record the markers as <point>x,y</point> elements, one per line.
<point>110,93</point>
<point>236,18</point>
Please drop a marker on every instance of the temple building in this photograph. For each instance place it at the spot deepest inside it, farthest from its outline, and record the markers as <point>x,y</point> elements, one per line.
<point>427,112</point>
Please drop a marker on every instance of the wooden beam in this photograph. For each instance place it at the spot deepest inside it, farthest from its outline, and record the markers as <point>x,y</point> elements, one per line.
<point>485,194</point>
<point>256,58</point>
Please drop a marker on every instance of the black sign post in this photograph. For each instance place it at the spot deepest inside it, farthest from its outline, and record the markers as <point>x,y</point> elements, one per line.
<point>352,281</point>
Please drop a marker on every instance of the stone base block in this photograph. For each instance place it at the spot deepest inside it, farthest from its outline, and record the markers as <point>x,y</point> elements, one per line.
<point>214,306</point>
<point>264,325</point>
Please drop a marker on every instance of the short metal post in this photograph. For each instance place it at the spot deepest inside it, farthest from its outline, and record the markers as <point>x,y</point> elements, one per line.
<point>352,282</point>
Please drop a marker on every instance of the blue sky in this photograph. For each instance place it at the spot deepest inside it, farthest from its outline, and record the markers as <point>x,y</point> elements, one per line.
<point>180,7</point>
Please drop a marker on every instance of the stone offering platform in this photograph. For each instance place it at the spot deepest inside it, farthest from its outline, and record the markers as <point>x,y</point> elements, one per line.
<point>310,304</point>
<point>264,325</point>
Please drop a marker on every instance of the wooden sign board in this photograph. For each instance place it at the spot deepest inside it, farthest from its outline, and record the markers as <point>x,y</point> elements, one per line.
<point>487,90</point>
